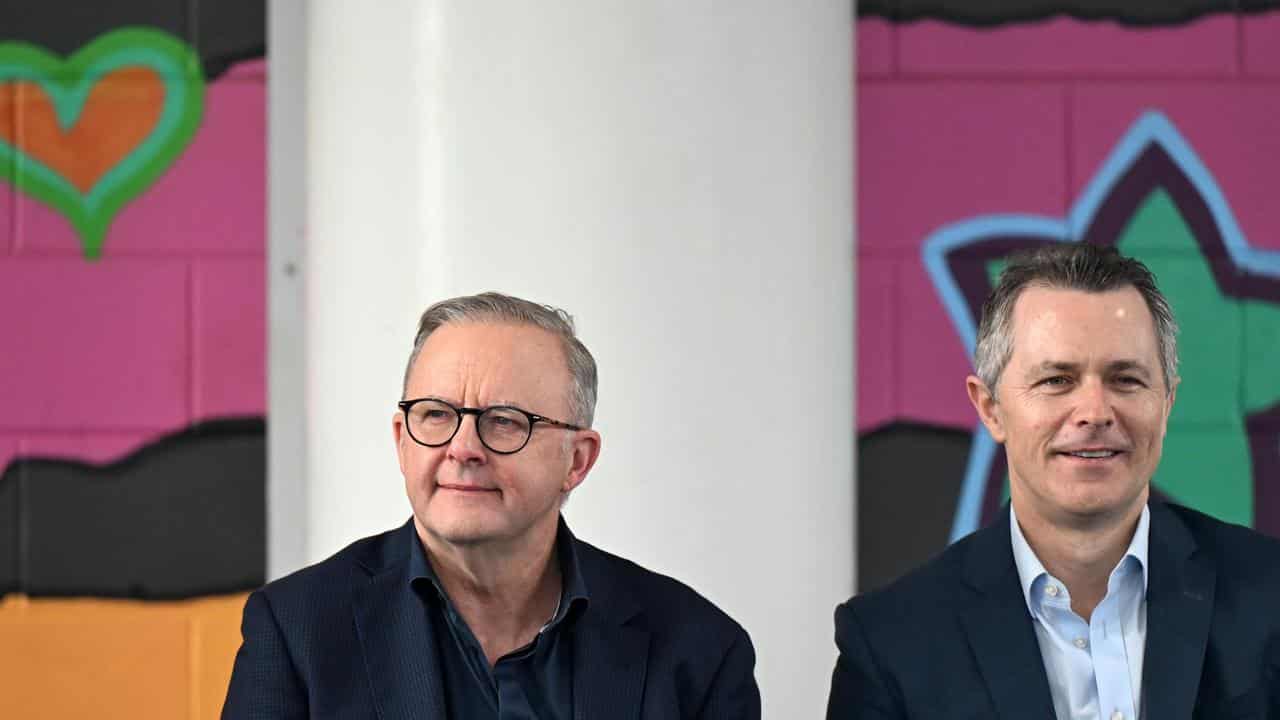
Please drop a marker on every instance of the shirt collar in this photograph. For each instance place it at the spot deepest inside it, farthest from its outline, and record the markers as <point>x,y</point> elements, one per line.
<point>573,590</point>
<point>1030,569</point>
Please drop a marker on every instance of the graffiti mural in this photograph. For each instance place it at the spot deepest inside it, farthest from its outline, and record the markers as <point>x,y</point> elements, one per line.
<point>87,134</point>
<point>133,310</point>
<point>1154,200</point>
<point>981,133</point>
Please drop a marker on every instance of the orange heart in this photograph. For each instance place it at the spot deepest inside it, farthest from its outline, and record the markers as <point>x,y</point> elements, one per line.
<point>122,108</point>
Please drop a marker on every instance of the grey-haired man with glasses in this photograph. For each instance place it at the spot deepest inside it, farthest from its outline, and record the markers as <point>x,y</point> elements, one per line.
<point>484,604</point>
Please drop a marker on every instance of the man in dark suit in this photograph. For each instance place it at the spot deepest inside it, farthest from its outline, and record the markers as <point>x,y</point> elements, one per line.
<point>484,605</point>
<point>1086,598</point>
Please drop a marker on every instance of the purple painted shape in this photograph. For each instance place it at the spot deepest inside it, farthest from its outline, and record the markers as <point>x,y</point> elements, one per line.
<point>1260,35</point>
<point>86,446</point>
<point>1231,126</point>
<point>1264,442</point>
<point>230,333</point>
<point>878,341</point>
<point>96,346</point>
<point>213,198</point>
<point>1065,46</point>
<point>933,363</point>
<point>875,41</point>
<point>931,154</point>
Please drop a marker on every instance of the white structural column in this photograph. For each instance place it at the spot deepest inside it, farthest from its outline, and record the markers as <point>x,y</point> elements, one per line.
<point>363,243</point>
<point>677,175</point>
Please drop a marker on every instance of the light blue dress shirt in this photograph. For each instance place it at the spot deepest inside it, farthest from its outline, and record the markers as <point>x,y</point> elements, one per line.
<point>1094,668</point>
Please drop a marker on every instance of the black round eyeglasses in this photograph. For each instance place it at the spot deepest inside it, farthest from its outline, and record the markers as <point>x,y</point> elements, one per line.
<point>502,428</point>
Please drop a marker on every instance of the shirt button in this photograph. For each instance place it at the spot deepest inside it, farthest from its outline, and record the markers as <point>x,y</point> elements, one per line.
<point>1082,644</point>
<point>1051,591</point>
<point>1117,715</point>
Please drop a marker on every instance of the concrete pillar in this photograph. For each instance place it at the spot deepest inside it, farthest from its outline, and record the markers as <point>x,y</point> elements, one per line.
<point>677,175</point>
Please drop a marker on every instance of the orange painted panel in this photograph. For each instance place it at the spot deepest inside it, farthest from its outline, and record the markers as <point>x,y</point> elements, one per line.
<point>107,659</point>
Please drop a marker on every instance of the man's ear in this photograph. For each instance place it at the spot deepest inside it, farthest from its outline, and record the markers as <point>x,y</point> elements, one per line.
<point>984,402</point>
<point>1168,408</point>
<point>583,451</point>
<point>400,434</point>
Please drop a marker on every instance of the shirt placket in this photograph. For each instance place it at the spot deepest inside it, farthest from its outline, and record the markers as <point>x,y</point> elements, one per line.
<point>1110,662</point>
<point>1074,634</point>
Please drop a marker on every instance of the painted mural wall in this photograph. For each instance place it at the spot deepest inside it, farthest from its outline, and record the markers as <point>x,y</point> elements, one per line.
<point>984,128</point>
<point>132,352</point>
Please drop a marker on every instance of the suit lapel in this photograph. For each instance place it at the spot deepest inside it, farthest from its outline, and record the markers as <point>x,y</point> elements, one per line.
<point>1179,608</point>
<point>610,646</point>
<point>998,626</point>
<point>399,646</point>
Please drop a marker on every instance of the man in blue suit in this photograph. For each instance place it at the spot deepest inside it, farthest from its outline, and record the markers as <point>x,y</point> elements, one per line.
<point>1086,598</point>
<point>484,605</point>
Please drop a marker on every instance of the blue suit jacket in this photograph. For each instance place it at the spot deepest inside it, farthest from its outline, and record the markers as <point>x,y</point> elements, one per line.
<point>346,638</point>
<point>955,640</point>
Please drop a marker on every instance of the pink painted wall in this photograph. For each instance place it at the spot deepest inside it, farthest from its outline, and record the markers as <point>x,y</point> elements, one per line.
<point>169,327</point>
<point>955,122</point>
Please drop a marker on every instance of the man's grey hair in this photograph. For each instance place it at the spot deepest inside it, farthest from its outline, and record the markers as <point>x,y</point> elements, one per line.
<point>1068,266</point>
<point>492,307</point>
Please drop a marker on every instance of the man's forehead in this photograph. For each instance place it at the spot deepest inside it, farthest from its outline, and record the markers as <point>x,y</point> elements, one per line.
<point>1069,307</point>
<point>522,355</point>
<point>1056,325</point>
<point>481,335</point>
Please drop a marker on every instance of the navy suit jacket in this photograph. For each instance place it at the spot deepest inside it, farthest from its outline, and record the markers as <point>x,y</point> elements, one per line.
<point>347,638</point>
<point>954,639</point>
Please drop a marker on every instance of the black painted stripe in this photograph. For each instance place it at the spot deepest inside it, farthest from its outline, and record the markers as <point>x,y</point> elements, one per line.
<point>223,32</point>
<point>909,477</point>
<point>181,517</point>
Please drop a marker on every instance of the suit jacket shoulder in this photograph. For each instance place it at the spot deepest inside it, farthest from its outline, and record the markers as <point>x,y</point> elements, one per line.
<point>927,592</point>
<point>666,602</point>
<point>314,598</point>
<point>1240,554</point>
<point>699,662</point>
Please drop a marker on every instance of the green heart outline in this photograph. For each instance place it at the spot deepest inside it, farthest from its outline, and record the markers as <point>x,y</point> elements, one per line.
<point>68,84</point>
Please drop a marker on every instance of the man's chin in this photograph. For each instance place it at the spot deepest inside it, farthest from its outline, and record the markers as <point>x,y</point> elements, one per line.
<point>466,533</point>
<point>1091,506</point>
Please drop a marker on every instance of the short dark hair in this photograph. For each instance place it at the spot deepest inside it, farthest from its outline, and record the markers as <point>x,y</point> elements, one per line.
<point>1068,266</point>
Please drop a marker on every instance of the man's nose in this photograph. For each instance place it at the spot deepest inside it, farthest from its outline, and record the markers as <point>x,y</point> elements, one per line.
<point>1094,407</point>
<point>465,445</point>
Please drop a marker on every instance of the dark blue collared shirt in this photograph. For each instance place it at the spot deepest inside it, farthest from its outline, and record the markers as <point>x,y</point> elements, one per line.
<point>534,682</point>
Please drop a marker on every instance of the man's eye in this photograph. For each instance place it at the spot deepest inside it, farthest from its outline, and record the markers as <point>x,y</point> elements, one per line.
<point>501,421</point>
<point>1129,380</point>
<point>435,415</point>
<point>1056,381</point>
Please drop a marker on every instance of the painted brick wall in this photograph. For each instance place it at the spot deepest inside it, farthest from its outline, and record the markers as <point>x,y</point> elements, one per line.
<point>958,123</point>
<point>169,326</point>
<point>955,122</point>
<point>99,357</point>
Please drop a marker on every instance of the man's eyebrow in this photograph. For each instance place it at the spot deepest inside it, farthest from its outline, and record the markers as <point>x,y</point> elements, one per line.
<point>1128,366</point>
<point>1054,366</point>
<point>1125,365</point>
